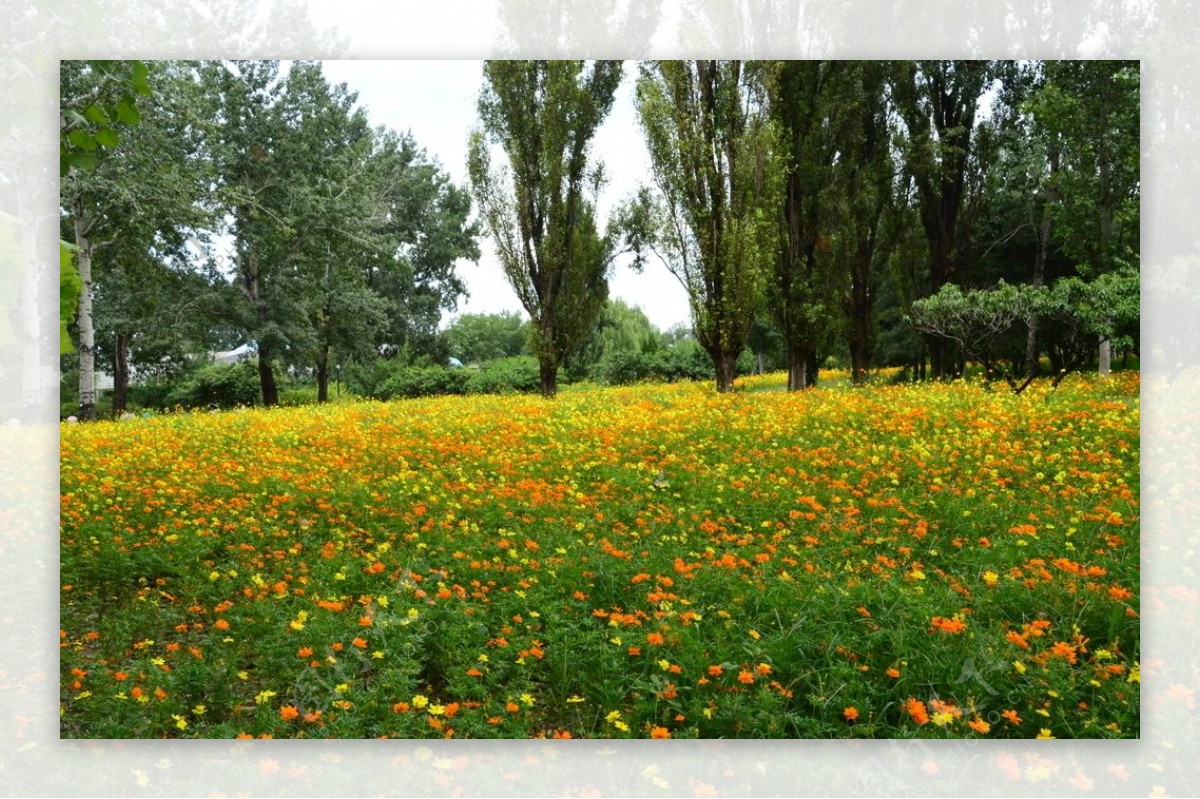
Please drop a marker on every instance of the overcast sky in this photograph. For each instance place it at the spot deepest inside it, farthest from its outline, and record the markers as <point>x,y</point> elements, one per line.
<point>435,100</point>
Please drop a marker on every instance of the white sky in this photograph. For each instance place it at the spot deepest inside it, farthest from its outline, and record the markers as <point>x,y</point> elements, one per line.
<point>435,100</point>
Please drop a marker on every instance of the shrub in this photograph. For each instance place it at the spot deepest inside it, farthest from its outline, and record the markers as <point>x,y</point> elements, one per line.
<point>684,360</point>
<point>622,367</point>
<point>519,374</point>
<point>217,385</point>
<point>423,381</point>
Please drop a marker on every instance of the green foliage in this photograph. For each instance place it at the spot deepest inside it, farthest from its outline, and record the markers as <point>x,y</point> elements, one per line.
<point>713,220</point>
<point>394,379</point>
<point>217,386</point>
<point>69,287</point>
<point>540,210</point>
<point>685,360</point>
<point>516,375</point>
<point>91,122</point>
<point>990,325</point>
<point>477,338</point>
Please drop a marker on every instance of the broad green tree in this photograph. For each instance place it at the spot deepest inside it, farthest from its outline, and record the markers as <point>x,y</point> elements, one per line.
<point>713,219</point>
<point>426,220</point>
<point>1091,110</point>
<point>131,195</point>
<point>477,338</point>
<point>540,206</point>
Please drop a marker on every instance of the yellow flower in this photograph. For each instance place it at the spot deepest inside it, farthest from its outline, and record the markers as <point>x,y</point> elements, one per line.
<point>264,696</point>
<point>437,710</point>
<point>419,701</point>
<point>1044,734</point>
<point>180,721</point>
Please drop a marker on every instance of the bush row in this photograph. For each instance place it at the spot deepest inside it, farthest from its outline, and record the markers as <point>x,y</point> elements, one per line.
<point>384,380</point>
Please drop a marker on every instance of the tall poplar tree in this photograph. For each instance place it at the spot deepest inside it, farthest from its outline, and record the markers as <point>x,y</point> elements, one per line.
<point>714,220</point>
<point>540,210</point>
<point>937,101</point>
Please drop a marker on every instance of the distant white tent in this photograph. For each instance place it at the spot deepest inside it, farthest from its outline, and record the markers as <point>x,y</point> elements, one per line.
<point>235,355</point>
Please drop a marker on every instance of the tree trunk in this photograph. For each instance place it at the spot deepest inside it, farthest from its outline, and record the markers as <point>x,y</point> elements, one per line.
<point>1105,356</point>
<point>266,376</point>
<point>726,366</point>
<point>797,368</point>
<point>323,373</point>
<point>860,314</point>
<point>548,373</point>
<point>87,333</point>
<point>120,374</point>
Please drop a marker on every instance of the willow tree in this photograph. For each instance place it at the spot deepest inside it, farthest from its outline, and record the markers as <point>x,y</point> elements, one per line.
<point>540,209</point>
<point>714,220</point>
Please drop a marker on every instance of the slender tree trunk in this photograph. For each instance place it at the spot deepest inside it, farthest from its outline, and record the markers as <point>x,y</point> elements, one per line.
<point>726,366</point>
<point>548,374</point>
<point>120,374</point>
<point>1105,356</point>
<point>323,373</point>
<point>87,333</point>
<point>797,368</point>
<point>860,314</point>
<point>266,376</point>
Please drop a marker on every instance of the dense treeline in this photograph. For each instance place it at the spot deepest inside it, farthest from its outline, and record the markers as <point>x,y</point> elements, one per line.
<point>917,213</point>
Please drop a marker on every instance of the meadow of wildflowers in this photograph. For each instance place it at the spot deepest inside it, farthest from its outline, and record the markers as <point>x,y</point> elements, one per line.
<point>931,560</point>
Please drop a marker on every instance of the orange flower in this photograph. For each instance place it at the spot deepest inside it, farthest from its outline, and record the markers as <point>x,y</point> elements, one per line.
<point>893,672</point>
<point>1015,637</point>
<point>221,624</point>
<point>561,734</point>
<point>669,692</point>
<point>951,626</point>
<point>715,671</point>
<point>1063,650</point>
<point>304,651</point>
<point>850,713</point>
<point>120,676</point>
<point>360,643</point>
<point>979,725</point>
<point>916,709</point>
<point>654,639</point>
<point>288,712</point>
<point>746,677</point>
<point>660,732</point>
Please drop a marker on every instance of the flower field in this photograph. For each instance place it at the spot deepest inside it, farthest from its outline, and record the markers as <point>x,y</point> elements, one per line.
<point>931,560</point>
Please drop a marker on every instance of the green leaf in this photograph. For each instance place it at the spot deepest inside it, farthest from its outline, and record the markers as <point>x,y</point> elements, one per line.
<point>127,112</point>
<point>107,137</point>
<point>96,113</point>
<point>69,288</point>
<point>139,79</point>
<point>80,160</point>
<point>82,140</point>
